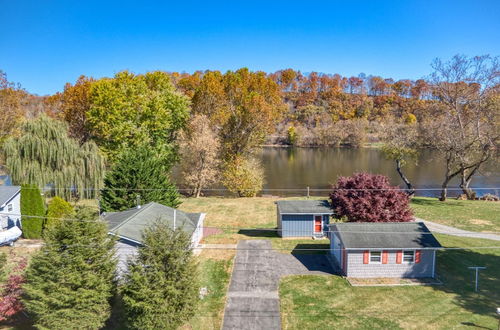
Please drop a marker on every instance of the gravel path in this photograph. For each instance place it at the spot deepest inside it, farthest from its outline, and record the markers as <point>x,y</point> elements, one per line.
<point>253,299</point>
<point>443,229</point>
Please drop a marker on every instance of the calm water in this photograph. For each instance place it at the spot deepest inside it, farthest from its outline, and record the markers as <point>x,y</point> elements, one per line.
<point>293,168</point>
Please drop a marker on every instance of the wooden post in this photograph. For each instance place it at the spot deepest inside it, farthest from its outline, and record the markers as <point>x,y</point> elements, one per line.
<point>308,195</point>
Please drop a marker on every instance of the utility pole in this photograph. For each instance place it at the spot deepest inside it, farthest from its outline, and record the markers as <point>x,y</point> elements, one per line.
<point>477,269</point>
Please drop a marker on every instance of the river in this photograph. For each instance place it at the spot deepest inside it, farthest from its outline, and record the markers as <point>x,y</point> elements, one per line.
<point>318,168</point>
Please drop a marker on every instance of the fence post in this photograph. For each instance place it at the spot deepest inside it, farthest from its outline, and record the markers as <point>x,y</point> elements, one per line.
<point>308,195</point>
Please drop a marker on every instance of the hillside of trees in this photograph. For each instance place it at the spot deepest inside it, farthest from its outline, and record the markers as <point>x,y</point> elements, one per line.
<point>213,121</point>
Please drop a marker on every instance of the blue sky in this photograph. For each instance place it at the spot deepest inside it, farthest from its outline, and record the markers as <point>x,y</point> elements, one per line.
<point>45,44</point>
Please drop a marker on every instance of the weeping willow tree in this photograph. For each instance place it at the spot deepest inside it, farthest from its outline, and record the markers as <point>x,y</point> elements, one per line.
<point>44,155</point>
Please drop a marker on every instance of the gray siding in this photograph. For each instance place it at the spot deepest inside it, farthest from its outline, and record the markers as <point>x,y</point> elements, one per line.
<point>356,268</point>
<point>297,225</point>
<point>124,251</point>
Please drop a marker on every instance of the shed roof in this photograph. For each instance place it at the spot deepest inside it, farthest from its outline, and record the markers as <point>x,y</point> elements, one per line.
<point>7,192</point>
<point>385,235</point>
<point>304,206</point>
<point>131,223</point>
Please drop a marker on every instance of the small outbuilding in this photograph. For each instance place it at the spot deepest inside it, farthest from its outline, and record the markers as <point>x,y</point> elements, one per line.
<point>303,218</point>
<point>388,249</point>
<point>128,226</point>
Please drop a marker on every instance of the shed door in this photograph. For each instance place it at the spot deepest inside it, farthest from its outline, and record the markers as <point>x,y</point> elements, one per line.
<point>317,224</point>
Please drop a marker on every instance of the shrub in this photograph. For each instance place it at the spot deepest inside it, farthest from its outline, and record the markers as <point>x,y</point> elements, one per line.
<point>161,288</point>
<point>57,209</point>
<point>10,292</point>
<point>70,281</point>
<point>370,198</point>
<point>244,176</point>
<point>32,211</point>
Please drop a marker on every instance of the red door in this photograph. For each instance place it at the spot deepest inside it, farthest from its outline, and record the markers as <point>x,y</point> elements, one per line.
<point>317,224</point>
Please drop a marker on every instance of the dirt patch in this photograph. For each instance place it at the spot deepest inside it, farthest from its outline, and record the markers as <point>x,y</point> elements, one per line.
<point>480,222</point>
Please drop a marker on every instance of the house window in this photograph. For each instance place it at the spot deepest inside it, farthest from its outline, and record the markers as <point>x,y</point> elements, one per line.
<point>408,257</point>
<point>9,207</point>
<point>375,257</point>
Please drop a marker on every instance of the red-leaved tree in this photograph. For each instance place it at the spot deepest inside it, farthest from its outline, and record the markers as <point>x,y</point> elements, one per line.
<point>367,197</point>
<point>10,292</point>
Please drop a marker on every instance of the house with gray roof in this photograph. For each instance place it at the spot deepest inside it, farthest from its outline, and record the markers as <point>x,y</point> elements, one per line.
<point>303,218</point>
<point>384,249</point>
<point>10,207</point>
<point>128,226</point>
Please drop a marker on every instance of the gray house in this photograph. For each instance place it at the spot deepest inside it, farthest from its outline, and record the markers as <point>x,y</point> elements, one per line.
<point>128,226</point>
<point>389,249</point>
<point>10,207</point>
<point>303,218</point>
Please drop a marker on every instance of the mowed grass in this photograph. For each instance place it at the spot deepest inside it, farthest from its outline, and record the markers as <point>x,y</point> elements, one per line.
<point>329,302</point>
<point>468,215</point>
<point>233,215</point>
<point>215,271</point>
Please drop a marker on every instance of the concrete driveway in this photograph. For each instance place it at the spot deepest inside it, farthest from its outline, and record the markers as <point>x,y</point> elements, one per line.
<point>253,300</point>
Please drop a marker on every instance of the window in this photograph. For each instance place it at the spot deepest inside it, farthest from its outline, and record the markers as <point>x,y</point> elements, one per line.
<point>9,207</point>
<point>375,257</point>
<point>408,257</point>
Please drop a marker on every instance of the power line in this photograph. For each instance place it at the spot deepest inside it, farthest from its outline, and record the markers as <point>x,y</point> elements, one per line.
<point>263,229</point>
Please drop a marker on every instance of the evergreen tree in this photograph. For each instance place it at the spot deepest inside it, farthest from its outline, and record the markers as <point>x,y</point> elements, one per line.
<point>139,172</point>
<point>70,281</point>
<point>32,211</point>
<point>58,208</point>
<point>161,287</point>
<point>44,154</point>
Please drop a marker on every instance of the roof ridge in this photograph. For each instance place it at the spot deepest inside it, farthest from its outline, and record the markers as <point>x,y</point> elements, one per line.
<point>142,208</point>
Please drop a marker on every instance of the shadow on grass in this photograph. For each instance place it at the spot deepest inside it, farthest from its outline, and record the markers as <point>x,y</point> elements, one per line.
<point>458,279</point>
<point>259,232</point>
<point>313,258</point>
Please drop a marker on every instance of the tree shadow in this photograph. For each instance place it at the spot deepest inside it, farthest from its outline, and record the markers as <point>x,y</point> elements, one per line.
<point>259,232</point>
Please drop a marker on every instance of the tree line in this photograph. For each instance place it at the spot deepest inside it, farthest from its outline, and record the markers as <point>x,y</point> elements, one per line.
<point>211,123</point>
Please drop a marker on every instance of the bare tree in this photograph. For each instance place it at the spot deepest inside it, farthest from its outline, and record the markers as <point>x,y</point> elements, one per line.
<point>467,132</point>
<point>199,150</point>
<point>400,145</point>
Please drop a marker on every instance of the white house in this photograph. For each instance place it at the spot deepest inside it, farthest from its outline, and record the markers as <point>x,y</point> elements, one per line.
<point>128,226</point>
<point>10,207</point>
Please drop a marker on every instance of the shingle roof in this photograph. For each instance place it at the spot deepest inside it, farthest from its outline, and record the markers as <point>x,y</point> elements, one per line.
<point>131,223</point>
<point>304,206</point>
<point>385,235</point>
<point>7,192</point>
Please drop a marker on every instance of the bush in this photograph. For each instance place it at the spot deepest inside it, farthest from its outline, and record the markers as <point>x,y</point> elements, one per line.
<point>57,209</point>
<point>292,135</point>
<point>370,198</point>
<point>70,281</point>
<point>32,211</point>
<point>244,176</point>
<point>10,292</point>
<point>161,288</point>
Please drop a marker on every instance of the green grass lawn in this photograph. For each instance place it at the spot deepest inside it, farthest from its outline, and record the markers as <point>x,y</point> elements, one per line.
<point>215,272</point>
<point>468,215</point>
<point>329,302</point>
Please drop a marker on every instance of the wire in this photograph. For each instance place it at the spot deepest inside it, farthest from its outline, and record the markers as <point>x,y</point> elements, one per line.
<point>267,229</point>
<point>266,189</point>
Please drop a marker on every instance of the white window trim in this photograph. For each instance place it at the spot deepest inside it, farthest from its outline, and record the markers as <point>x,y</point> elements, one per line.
<point>370,257</point>
<point>314,223</point>
<point>403,257</point>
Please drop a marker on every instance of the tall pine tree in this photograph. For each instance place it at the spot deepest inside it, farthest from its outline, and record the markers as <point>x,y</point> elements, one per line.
<point>139,173</point>
<point>70,281</point>
<point>161,287</point>
<point>32,211</point>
